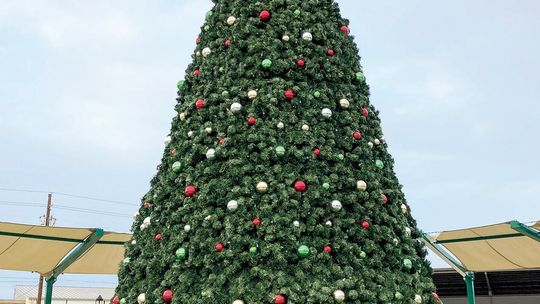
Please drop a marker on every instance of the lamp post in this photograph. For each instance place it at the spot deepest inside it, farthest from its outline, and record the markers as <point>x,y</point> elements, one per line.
<point>100,300</point>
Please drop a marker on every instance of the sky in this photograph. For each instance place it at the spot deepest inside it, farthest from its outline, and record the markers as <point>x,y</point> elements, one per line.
<point>87,94</point>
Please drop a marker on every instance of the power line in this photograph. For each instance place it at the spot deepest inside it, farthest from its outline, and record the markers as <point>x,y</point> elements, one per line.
<point>24,204</point>
<point>23,190</point>
<point>93,211</point>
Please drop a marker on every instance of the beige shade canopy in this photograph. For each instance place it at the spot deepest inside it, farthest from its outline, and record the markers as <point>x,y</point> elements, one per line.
<point>492,248</point>
<point>40,249</point>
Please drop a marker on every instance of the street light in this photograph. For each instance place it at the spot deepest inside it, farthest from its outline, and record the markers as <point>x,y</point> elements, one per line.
<point>100,300</point>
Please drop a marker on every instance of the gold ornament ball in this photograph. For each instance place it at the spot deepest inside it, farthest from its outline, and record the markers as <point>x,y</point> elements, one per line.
<point>262,187</point>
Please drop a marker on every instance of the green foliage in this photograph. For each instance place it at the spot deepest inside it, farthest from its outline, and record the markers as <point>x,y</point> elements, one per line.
<point>261,261</point>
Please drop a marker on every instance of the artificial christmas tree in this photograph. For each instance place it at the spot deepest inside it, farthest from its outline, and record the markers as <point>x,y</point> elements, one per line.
<point>275,185</point>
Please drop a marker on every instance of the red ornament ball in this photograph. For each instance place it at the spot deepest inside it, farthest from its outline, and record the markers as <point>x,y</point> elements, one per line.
<point>222,141</point>
<point>219,247</point>
<point>199,104</point>
<point>167,296</point>
<point>158,236</point>
<point>198,40</point>
<point>301,63</point>
<point>300,186</point>
<point>327,249</point>
<point>264,15</point>
<point>196,73</point>
<point>289,94</point>
<point>190,191</point>
<point>330,52</point>
<point>115,300</point>
<point>357,135</point>
<point>316,151</point>
<point>252,121</point>
<point>256,221</point>
<point>365,225</point>
<point>365,112</point>
<point>227,43</point>
<point>280,299</point>
<point>384,198</point>
<point>345,30</point>
<point>147,204</point>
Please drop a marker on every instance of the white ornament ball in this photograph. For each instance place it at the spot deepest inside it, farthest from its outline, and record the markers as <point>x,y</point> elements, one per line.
<point>211,154</point>
<point>135,215</point>
<point>142,227</point>
<point>232,205</point>
<point>182,116</point>
<point>235,107</point>
<point>208,130</point>
<point>377,141</point>
<point>238,302</point>
<point>280,125</point>
<point>418,299</point>
<point>307,36</point>
<point>198,53</point>
<point>133,242</point>
<point>370,144</point>
<point>147,221</point>
<point>344,103</point>
<point>206,52</point>
<point>296,224</point>
<point>408,231</point>
<point>361,185</point>
<point>396,241</point>
<point>305,127</point>
<point>208,217</point>
<point>190,134</point>
<point>339,295</point>
<point>285,38</point>
<point>167,140</point>
<point>328,223</point>
<point>404,208</point>
<point>231,20</point>
<point>252,94</point>
<point>187,228</point>
<point>336,204</point>
<point>141,298</point>
<point>262,187</point>
<point>326,112</point>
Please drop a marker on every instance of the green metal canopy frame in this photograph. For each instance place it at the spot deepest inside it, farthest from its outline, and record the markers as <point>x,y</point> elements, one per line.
<point>439,247</point>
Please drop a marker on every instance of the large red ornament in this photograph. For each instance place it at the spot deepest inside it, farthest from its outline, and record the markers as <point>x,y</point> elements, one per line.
<point>316,151</point>
<point>196,73</point>
<point>357,135</point>
<point>115,300</point>
<point>330,52</point>
<point>301,63</point>
<point>280,299</point>
<point>227,43</point>
<point>167,296</point>
<point>252,121</point>
<point>289,94</point>
<point>300,186</point>
<point>264,15</point>
<point>158,236</point>
<point>256,221</point>
<point>365,112</point>
<point>365,225</point>
<point>219,247</point>
<point>327,249</point>
<point>199,104</point>
<point>345,30</point>
<point>190,191</point>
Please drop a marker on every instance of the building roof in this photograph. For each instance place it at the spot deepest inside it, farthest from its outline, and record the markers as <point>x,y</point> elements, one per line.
<point>66,292</point>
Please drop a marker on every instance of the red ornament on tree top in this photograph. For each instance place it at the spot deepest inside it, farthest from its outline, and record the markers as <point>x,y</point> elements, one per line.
<point>219,247</point>
<point>199,104</point>
<point>190,191</point>
<point>167,296</point>
<point>365,224</point>
<point>345,30</point>
<point>264,15</point>
<point>289,94</point>
<point>280,299</point>
<point>300,186</point>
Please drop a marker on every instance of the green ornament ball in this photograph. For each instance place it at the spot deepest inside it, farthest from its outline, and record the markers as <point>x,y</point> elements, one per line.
<point>209,14</point>
<point>303,251</point>
<point>221,69</point>
<point>180,85</point>
<point>207,27</point>
<point>341,157</point>
<point>181,253</point>
<point>176,166</point>
<point>253,250</point>
<point>123,301</point>
<point>363,255</point>
<point>360,76</point>
<point>317,94</point>
<point>297,12</point>
<point>267,63</point>
<point>225,93</point>
<point>398,295</point>
<point>280,151</point>
<point>326,186</point>
<point>379,163</point>
<point>407,264</point>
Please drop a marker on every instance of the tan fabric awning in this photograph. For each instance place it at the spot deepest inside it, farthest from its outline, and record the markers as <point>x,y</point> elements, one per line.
<point>40,249</point>
<point>492,248</point>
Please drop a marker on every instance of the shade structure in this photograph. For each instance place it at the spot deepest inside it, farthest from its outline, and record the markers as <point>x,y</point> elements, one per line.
<point>41,249</point>
<point>496,247</point>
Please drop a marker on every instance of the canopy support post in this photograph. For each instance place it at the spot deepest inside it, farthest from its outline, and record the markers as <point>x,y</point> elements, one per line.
<point>525,230</point>
<point>49,289</point>
<point>469,281</point>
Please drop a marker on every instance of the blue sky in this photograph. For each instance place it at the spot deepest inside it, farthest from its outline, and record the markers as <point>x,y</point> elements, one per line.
<point>87,93</point>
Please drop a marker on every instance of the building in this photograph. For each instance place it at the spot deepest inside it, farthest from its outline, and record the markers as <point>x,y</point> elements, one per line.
<point>64,295</point>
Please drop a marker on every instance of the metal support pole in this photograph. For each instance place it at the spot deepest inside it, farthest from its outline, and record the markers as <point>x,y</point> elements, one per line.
<point>440,252</point>
<point>48,293</point>
<point>525,230</point>
<point>469,281</point>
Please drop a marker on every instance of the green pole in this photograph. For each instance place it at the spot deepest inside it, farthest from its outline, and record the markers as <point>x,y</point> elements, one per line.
<point>48,295</point>
<point>469,281</point>
<point>525,230</point>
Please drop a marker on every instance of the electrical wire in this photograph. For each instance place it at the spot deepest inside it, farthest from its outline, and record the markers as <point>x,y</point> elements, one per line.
<point>71,195</point>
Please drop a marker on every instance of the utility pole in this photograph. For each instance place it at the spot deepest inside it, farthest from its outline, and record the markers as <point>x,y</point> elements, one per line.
<point>47,221</point>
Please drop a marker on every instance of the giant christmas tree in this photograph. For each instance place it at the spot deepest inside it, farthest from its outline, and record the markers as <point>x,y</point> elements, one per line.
<point>276,185</point>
